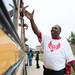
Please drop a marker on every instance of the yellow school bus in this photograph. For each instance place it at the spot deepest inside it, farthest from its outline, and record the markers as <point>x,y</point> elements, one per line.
<point>10,52</point>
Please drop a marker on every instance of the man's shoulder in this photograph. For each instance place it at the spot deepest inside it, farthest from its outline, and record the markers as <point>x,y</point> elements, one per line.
<point>63,38</point>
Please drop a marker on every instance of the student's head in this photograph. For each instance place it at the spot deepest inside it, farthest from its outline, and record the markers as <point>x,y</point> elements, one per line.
<point>30,50</point>
<point>55,31</point>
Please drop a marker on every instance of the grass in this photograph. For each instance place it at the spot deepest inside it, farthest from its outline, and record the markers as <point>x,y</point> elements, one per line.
<point>73,73</point>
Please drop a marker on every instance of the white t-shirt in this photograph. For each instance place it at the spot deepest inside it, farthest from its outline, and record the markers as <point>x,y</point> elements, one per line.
<point>57,52</point>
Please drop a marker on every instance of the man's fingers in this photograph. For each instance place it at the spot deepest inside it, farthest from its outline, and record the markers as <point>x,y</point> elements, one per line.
<point>33,12</point>
<point>26,7</point>
<point>23,9</point>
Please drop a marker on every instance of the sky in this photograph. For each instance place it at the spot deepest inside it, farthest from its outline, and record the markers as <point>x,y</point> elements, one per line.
<point>47,14</point>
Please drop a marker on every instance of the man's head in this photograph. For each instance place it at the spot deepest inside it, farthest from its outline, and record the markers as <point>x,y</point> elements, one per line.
<point>55,31</point>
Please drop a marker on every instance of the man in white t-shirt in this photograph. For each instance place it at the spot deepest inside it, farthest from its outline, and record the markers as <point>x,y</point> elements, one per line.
<point>57,51</point>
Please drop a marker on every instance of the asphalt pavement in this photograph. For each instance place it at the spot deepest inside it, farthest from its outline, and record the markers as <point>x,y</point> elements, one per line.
<point>32,70</point>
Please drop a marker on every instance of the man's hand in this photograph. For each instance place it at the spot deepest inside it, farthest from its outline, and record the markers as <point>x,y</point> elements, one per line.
<point>28,14</point>
<point>22,9</point>
<point>33,25</point>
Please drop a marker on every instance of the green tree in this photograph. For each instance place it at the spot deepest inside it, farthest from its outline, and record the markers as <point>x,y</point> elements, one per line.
<point>71,38</point>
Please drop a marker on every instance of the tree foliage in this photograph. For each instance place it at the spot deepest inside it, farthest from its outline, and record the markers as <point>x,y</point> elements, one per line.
<point>71,38</point>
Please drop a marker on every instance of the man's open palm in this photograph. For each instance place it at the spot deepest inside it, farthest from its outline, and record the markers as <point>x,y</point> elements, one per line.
<point>28,14</point>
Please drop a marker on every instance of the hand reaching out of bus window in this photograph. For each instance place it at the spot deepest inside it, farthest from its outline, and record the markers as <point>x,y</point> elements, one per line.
<point>26,26</point>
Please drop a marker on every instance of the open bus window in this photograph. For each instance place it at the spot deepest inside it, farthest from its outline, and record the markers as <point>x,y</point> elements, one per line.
<point>9,6</point>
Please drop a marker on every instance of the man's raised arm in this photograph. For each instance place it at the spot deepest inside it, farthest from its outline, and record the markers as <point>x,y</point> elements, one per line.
<point>33,25</point>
